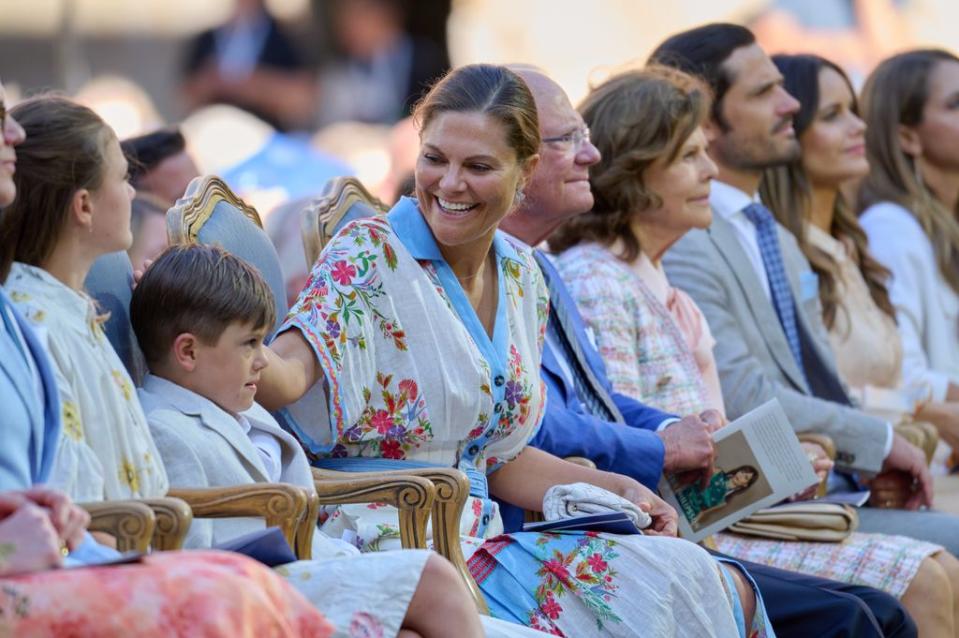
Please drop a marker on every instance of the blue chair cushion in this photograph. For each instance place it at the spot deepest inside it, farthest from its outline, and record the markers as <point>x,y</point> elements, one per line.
<point>110,283</point>
<point>233,231</point>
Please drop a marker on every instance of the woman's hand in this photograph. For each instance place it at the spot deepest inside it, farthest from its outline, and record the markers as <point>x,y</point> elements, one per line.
<point>891,490</point>
<point>665,519</point>
<point>28,541</point>
<point>69,519</point>
<point>524,481</point>
<point>821,465</point>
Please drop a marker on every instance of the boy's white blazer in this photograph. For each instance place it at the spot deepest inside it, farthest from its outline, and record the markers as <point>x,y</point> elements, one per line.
<point>204,446</point>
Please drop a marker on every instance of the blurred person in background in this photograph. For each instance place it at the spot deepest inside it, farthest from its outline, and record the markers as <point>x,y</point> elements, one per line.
<point>160,170</point>
<point>251,63</point>
<point>264,166</point>
<point>382,70</point>
<point>148,225</point>
<point>122,103</point>
<point>160,164</point>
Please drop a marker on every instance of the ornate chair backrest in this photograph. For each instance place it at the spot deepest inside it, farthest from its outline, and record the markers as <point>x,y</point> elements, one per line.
<point>344,199</point>
<point>110,283</point>
<point>210,213</point>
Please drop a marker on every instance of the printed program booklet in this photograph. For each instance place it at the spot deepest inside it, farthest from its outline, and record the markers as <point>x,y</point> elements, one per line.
<point>759,462</point>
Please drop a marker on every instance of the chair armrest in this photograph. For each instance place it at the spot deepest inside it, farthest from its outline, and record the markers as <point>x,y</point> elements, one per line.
<point>307,528</point>
<point>822,440</point>
<point>281,504</point>
<point>130,522</point>
<point>173,518</point>
<point>923,435</point>
<point>411,496</point>
<point>452,489</point>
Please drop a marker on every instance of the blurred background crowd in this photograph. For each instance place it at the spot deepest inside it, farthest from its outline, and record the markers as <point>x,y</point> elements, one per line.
<point>277,95</point>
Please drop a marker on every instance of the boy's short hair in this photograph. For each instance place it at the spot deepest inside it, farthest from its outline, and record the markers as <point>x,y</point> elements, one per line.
<point>196,289</point>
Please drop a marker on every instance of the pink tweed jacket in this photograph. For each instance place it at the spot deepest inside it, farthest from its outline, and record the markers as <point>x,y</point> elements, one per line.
<point>645,354</point>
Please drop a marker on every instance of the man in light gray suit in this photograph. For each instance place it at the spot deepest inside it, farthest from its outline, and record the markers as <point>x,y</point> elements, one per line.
<point>759,295</point>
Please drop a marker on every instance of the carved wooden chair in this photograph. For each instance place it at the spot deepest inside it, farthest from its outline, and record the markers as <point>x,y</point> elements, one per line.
<point>344,199</point>
<point>210,213</point>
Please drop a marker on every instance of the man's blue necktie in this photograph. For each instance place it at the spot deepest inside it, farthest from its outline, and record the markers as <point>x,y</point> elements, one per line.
<point>782,296</point>
<point>588,387</point>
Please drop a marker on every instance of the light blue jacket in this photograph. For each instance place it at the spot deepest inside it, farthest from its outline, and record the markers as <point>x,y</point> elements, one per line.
<point>28,422</point>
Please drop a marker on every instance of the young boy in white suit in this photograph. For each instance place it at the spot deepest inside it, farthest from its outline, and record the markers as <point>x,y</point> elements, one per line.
<point>200,315</point>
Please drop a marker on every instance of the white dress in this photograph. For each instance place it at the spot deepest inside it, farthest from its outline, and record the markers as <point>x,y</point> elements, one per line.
<point>103,424</point>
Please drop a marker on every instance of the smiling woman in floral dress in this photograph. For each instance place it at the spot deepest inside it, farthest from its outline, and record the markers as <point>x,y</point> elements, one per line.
<point>421,332</point>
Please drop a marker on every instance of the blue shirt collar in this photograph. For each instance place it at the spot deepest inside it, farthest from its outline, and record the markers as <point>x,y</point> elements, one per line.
<point>414,233</point>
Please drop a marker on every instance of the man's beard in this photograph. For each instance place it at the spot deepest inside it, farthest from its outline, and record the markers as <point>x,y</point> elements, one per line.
<point>756,157</point>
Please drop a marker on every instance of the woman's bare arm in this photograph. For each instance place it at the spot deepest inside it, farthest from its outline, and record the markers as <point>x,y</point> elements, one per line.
<point>524,481</point>
<point>291,371</point>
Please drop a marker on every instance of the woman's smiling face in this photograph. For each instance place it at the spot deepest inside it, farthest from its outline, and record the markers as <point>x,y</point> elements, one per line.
<point>467,176</point>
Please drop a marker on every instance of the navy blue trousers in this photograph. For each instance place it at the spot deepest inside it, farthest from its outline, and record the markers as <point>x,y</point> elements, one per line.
<point>801,606</point>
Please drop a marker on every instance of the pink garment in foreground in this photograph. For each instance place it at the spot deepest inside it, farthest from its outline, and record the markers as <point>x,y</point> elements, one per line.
<point>169,594</point>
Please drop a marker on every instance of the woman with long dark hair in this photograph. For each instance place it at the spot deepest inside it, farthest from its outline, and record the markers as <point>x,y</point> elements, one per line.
<point>807,198</point>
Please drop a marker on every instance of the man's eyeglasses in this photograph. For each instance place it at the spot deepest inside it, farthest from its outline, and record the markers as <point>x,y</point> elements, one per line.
<point>574,140</point>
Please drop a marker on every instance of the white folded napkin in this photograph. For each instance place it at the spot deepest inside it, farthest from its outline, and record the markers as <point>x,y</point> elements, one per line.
<point>581,499</point>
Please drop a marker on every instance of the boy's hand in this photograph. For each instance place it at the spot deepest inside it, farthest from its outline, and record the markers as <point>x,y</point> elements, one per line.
<point>138,274</point>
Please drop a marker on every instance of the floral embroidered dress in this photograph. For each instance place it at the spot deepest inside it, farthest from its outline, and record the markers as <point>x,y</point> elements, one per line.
<point>103,425</point>
<point>603,287</point>
<point>412,374</point>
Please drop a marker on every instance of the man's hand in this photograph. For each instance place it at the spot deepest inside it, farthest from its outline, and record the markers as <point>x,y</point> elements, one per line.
<point>908,460</point>
<point>890,490</point>
<point>689,446</point>
<point>713,419</point>
<point>665,519</point>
